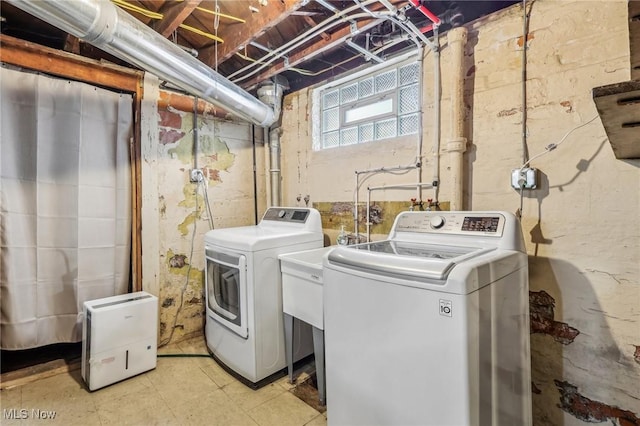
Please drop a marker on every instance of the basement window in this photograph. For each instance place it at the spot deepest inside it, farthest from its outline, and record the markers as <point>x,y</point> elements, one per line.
<point>378,103</point>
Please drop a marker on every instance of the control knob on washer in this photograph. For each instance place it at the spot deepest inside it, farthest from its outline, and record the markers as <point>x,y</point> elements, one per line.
<point>282,213</point>
<point>437,222</point>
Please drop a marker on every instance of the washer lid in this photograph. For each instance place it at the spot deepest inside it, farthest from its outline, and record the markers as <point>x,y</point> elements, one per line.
<point>417,261</point>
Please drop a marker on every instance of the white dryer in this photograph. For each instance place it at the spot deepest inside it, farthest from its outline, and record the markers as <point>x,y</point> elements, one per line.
<point>244,318</point>
<point>431,326</point>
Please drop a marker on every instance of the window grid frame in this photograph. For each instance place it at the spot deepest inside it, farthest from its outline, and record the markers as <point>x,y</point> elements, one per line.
<point>399,69</point>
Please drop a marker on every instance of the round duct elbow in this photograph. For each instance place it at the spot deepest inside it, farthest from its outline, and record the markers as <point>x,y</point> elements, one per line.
<point>271,93</point>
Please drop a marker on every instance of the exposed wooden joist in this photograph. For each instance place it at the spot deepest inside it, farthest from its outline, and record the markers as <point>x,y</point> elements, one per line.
<point>312,23</point>
<point>174,14</point>
<point>56,62</point>
<point>256,25</point>
<point>72,44</point>
<point>309,52</point>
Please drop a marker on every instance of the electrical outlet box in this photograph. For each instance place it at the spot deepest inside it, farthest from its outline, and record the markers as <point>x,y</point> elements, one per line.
<point>523,178</point>
<point>195,175</point>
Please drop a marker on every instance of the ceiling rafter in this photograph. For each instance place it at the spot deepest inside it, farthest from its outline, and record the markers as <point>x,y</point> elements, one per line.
<point>256,25</point>
<point>175,14</point>
<point>336,38</point>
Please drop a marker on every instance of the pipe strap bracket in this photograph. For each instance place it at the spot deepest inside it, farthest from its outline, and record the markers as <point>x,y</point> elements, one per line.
<point>103,27</point>
<point>457,145</point>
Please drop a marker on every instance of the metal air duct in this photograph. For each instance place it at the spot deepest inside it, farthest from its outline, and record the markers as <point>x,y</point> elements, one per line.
<point>107,27</point>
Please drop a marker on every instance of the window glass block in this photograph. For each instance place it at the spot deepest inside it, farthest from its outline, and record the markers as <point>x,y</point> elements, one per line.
<point>349,94</point>
<point>409,74</point>
<point>330,99</point>
<point>385,81</point>
<point>365,88</point>
<point>365,132</point>
<point>385,129</point>
<point>330,140</point>
<point>382,104</point>
<point>349,136</point>
<point>408,124</point>
<point>330,119</point>
<point>408,99</point>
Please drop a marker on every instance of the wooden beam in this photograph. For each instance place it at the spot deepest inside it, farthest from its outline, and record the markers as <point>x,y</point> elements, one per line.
<point>72,44</point>
<point>256,25</point>
<point>175,14</point>
<point>37,372</point>
<point>309,52</point>
<point>313,23</point>
<point>56,62</point>
<point>619,108</point>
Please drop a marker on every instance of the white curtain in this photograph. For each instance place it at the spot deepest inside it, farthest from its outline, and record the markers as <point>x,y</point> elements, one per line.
<point>65,204</point>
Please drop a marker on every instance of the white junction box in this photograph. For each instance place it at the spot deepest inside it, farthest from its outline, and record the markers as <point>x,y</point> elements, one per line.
<point>119,338</point>
<point>524,178</point>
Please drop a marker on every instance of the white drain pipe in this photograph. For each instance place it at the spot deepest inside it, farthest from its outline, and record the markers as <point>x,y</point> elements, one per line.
<point>105,26</point>
<point>271,94</point>
<point>457,145</point>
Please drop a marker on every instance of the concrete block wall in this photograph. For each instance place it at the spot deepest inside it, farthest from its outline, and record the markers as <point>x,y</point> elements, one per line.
<point>581,226</point>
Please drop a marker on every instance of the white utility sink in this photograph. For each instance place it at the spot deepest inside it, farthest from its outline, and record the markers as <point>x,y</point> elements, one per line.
<point>302,285</point>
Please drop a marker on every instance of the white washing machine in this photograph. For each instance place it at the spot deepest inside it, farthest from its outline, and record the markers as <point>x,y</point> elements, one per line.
<point>431,326</point>
<point>244,317</point>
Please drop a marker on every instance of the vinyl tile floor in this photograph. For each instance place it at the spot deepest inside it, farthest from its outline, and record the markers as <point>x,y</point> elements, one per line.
<point>179,391</point>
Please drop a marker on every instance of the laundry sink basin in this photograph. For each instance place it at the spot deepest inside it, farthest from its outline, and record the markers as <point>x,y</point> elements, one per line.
<point>302,285</point>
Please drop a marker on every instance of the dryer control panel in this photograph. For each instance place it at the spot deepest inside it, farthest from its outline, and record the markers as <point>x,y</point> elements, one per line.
<point>284,214</point>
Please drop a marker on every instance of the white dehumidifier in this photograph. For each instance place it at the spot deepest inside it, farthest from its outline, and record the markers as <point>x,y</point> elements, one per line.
<point>119,338</point>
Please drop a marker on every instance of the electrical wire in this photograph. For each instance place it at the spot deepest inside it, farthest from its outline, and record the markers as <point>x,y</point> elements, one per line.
<point>142,11</point>
<point>553,146</point>
<point>206,200</point>
<point>218,14</point>
<point>159,16</point>
<point>525,34</point>
<point>186,284</point>
<point>547,150</point>
<point>202,33</point>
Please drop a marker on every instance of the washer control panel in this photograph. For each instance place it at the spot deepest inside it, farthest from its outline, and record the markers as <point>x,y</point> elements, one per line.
<point>283,214</point>
<point>461,223</point>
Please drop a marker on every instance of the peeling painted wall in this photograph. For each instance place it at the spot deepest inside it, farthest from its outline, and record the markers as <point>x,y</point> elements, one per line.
<point>581,226</point>
<point>225,156</point>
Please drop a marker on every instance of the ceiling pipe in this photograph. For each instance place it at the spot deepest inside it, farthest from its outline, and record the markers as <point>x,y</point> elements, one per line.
<point>426,12</point>
<point>336,19</point>
<point>105,26</point>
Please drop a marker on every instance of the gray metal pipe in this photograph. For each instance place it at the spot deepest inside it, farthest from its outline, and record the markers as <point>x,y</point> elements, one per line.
<point>105,26</point>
